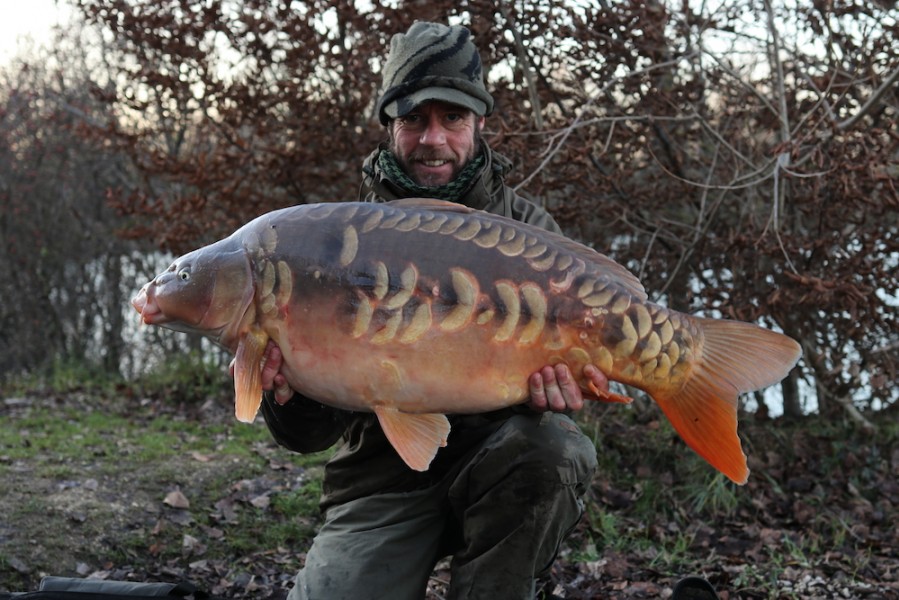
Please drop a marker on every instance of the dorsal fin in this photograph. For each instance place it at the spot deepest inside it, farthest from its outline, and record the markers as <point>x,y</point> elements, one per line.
<point>430,204</point>
<point>608,268</point>
<point>614,271</point>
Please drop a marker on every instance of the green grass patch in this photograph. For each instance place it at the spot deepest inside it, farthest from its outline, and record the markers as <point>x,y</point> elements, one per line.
<point>188,377</point>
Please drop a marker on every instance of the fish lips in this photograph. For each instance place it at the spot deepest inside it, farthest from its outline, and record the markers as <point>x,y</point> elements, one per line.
<point>145,303</point>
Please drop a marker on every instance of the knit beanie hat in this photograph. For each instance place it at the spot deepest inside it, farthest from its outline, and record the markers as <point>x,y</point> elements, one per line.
<point>432,61</point>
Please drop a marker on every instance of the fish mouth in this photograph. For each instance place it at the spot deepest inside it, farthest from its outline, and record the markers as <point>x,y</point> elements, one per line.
<point>145,303</point>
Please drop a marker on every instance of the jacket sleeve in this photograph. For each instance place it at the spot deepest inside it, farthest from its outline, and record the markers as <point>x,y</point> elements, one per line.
<point>528,212</point>
<point>303,425</point>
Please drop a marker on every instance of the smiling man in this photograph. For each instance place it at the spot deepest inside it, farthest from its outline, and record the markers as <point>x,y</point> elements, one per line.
<point>506,490</point>
<point>434,141</point>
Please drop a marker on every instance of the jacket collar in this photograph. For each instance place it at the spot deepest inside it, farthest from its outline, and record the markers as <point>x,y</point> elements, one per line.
<point>488,184</point>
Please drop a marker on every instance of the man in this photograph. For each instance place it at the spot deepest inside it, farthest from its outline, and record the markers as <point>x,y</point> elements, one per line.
<point>506,490</point>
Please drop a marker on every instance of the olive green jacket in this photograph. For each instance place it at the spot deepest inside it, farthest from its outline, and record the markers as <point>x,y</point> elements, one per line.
<point>366,463</point>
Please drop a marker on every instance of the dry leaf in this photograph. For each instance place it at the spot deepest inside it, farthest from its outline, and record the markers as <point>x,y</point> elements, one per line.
<point>177,500</point>
<point>262,501</point>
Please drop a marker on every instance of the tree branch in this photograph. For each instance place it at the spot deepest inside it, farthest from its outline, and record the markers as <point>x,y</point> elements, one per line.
<point>536,107</point>
<point>873,101</point>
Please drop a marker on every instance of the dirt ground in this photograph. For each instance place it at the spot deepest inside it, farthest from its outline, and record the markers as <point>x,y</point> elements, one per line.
<point>817,520</point>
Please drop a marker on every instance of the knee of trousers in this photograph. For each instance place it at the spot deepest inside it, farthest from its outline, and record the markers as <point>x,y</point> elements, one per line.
<point>550,447</point>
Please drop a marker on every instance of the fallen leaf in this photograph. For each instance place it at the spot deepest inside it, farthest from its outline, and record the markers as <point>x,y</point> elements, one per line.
<point>18,565</point>
<point>261,501</point>
<point>191,545</point>
<point>176,500</point>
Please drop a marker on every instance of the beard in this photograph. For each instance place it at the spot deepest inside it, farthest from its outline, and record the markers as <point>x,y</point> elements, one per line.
<point>406,162</point>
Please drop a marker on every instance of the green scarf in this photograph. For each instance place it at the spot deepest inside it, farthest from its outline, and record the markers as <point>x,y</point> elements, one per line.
<point>453,191</point>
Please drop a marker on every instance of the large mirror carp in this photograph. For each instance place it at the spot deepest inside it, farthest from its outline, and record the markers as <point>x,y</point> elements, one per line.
<point>418,308</point>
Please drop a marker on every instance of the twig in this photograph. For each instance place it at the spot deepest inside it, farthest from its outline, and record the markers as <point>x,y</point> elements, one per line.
<point>759,173</point>
<point>822,97</point>
<point>727,69</point>
<point>885,348</point>
<point>523,61</point>
<point>814,359</point>
<point>647,254</point>
<point>783,159</point>
<point>872,101</point>
<point>775,208</point>
<point>568,130</point>
<point>852,411</point>
<point>701,227</point>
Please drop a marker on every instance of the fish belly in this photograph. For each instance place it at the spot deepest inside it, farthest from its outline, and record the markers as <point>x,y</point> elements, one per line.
<point>462,372</point>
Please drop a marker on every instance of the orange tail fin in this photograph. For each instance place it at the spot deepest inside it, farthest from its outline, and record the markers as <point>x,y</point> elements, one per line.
<point>735,358</point>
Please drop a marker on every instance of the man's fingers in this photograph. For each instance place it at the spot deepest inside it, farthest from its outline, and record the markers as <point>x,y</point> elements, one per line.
<point>272,379</point>
<point>553,388</point>
<point>545,394</point>
<point>271,365</point>
<point>597,377</point>
<point>570,394</point>
<point>538,393</point>
<point>555,399</point>
<point>283,392</point>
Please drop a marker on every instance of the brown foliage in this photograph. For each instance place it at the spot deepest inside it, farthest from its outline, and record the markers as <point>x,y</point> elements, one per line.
<point>741,161</point>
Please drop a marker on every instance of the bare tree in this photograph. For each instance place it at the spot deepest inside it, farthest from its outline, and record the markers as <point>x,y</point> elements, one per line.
<point>61,263</point>
<point>740,156</point>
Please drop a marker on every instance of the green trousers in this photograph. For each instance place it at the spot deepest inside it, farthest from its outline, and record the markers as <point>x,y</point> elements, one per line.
<point>502,515</point>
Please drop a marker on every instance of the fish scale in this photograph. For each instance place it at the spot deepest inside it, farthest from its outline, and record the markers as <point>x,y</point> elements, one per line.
<point>529,300</point>
<point>417,308</point>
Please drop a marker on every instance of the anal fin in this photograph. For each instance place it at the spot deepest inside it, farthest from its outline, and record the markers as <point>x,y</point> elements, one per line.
<point>416,437</point>
<point>607,396</point>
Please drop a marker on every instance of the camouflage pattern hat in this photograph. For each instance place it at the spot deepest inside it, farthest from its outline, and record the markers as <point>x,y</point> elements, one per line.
<point>432,62</point>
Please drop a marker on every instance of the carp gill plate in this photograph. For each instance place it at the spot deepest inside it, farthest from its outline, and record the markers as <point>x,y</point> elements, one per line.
<point>418,308</point>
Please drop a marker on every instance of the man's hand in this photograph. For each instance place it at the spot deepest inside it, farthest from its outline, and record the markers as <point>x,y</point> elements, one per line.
<point>272,379</point>
<point>554,388</point>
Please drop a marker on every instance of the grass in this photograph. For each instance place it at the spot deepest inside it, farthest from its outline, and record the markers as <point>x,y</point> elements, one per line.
<point>96,459</point>
<point>88,465</point>
<point>718,496</point>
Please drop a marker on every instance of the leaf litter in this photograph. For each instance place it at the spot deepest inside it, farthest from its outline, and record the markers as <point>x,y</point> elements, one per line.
<point>816,519</point>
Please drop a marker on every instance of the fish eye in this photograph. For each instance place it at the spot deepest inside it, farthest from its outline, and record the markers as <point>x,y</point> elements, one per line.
<point>184,274</point>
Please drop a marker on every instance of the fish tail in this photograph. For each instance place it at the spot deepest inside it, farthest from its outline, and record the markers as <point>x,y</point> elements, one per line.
<point>730,358</point>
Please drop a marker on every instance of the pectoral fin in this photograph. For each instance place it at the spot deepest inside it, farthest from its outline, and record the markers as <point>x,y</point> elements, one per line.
<point>248,375</point>
<point>415,437</point>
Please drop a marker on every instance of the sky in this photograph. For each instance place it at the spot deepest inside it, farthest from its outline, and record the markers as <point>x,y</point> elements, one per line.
<point>24,19</point>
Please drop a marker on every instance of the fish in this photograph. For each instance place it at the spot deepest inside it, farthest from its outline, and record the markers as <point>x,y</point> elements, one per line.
<point>417,308</point>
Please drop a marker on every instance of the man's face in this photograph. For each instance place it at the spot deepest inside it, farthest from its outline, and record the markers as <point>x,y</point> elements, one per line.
<point>435,141</point>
